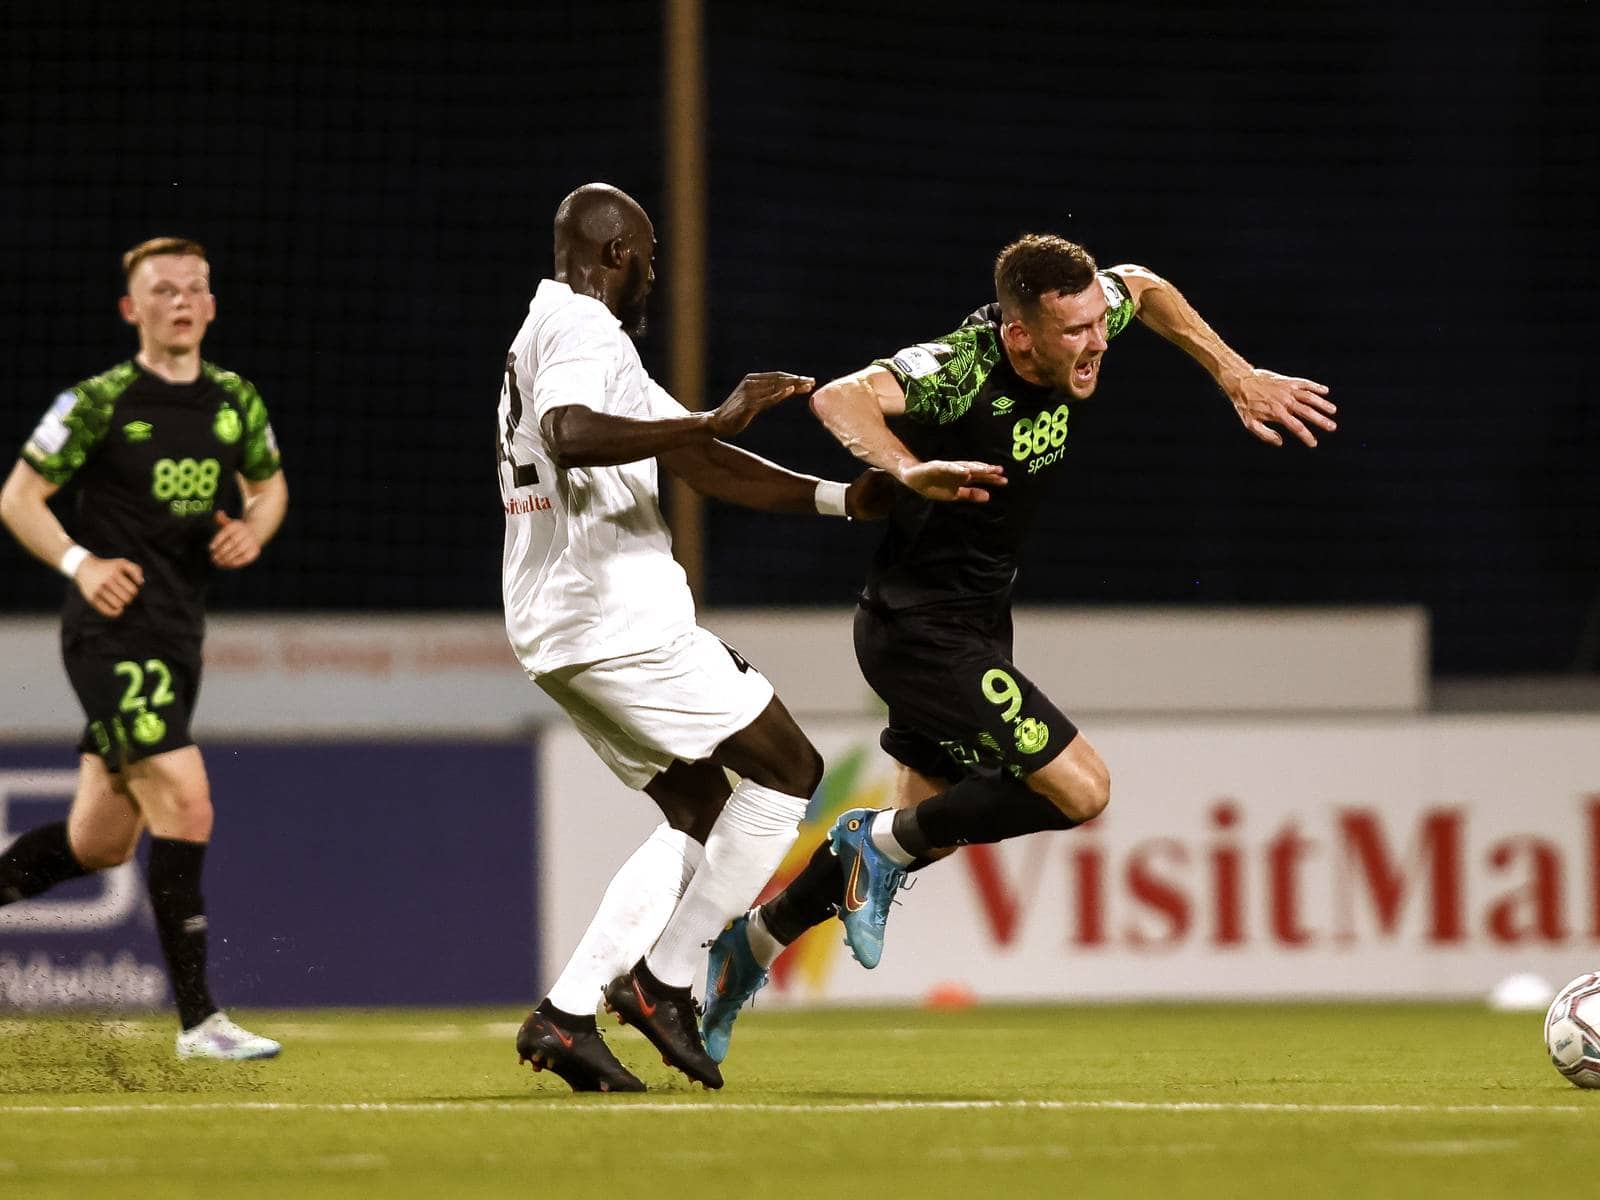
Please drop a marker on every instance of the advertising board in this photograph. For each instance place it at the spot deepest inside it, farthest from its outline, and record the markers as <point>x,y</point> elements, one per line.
<point>1397,857</point>
<point>341,873</point>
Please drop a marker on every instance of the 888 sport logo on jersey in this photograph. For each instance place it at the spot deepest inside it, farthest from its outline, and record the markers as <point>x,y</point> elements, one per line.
<point>1041,440</point>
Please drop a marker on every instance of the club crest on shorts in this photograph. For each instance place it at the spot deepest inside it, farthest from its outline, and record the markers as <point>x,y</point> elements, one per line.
<point>1032,735</point>
<point>148,729</point>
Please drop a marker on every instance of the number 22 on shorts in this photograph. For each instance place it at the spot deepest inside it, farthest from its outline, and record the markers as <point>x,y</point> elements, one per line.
<point>160,696</point>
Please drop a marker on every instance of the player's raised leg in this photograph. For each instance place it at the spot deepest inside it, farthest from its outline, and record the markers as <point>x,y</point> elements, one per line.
<point>742,956</point>
<point>101,831</point>
<point>875,849</point>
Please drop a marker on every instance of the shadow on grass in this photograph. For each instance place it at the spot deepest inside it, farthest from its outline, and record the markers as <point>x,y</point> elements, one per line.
<point>694,1096</point>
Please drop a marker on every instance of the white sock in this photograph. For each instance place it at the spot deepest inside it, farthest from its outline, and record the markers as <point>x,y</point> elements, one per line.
<point>882,834</point>
<point>763,945</point>
<point>744,848</point>
<point>638,902</point>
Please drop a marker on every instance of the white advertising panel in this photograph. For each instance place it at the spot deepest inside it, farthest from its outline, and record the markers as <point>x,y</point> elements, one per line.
<point>1403,857</point>
<point>308,676</point>
<point>334,675</point>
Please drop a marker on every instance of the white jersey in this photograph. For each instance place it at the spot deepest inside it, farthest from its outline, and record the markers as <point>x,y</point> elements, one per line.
<point>588,572</point>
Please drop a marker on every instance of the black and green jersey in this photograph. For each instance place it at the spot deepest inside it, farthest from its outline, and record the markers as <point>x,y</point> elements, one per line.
<point>964,401</point>
<point>148,457</point>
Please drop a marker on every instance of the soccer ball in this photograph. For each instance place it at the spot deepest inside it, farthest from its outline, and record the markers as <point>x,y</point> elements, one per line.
<point>1572,1031</point>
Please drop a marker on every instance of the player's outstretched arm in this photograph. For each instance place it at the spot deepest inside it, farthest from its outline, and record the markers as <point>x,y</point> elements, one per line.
<point>108,584</point>
<point>736,476</point>
<point>238,543</point>
<point>579,436</point>
<point>855,410</point>
<point>1261,398</point>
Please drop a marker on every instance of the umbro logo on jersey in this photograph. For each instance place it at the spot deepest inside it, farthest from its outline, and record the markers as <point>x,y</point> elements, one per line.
<point>1003,405</point>
<point>138,431</point>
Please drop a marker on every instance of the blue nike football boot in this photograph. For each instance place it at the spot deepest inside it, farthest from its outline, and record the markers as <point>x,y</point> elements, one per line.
<point>732,976</point>
<point>870,882</point>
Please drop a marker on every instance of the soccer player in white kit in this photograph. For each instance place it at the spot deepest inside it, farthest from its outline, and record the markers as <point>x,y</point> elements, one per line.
<point>601,617</point>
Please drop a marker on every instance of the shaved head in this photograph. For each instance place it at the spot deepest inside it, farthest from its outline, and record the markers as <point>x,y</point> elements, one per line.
<point>605,247</point>
<point>595,214</point>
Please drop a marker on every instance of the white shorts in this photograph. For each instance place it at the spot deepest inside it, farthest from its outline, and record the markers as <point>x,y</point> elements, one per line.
<point>643,712</point>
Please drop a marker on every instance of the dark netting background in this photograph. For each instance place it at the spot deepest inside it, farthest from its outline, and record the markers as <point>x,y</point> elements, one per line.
<point>375,184</point>
<point>1396,199</point>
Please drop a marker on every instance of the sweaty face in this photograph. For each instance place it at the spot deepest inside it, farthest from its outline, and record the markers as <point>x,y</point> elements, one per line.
<point>169,300</point>
<point>1066,338</point>
<point>639,278</point>
<point>636,292</point>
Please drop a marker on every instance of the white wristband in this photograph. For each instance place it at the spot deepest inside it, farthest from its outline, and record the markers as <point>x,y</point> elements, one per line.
<point>71,560</point>
<point>830,499</point>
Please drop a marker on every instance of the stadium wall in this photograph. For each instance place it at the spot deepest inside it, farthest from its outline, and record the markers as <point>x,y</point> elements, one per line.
<point>354,675</point>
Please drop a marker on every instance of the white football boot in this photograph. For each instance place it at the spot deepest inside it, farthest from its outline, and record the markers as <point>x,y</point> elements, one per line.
<point>218,1037</point>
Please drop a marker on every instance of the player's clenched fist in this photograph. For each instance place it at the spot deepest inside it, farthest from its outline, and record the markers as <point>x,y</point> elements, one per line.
<point>234,544</point>
<point>754,395</point>
<point>109,584</point>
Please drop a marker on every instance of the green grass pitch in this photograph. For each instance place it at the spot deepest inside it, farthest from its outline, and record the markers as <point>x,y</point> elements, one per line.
<point>1288,1100</point>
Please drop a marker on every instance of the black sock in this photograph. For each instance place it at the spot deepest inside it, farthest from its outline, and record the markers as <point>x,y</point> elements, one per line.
<point>979,809</point>
<point>907,830</point>
<point>181,923</point>
<point>571,1022</point>
<point>655,987</point>
<point>809,899</point>
<point>36,862</point>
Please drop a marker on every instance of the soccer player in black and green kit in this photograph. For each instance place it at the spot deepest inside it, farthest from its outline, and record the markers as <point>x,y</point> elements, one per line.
<point>973,425</point>
<point>149,443</point>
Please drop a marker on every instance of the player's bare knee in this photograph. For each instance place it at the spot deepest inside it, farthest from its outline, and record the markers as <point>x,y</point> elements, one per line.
<point>1081,795</point>
<point>101,845</point>
<point>193,829</point>
<point>93,856</point>
<point>794,766</point>
<point>1090,795</point>
<point>184,816</point>
<point>801,769</point>
<point>694,819</point>
<point>810,772</point>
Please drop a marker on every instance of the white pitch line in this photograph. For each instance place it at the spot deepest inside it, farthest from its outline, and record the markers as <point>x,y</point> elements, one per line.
<point>1060,1150</point>
<point>299,1031</point>
<point>350,1162</point>
<point>534,1106</point>
<point>1448,1149</point>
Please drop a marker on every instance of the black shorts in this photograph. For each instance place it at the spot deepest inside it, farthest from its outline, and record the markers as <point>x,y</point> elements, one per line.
<point>137,702</point>
<point>957,703</point>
